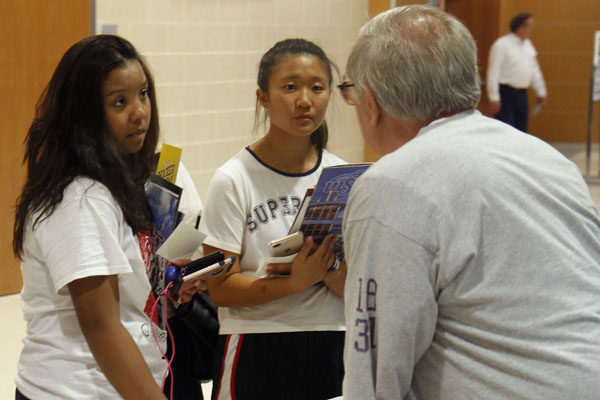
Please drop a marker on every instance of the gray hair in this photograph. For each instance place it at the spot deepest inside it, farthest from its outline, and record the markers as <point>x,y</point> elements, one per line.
<point>418,61</point>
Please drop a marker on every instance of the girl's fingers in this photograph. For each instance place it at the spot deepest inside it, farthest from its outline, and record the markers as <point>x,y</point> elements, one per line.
<point>180,262</point>
<point>306,248</point>
<point>330,260</point>
<point>201,285</point>
<point>326,248</point>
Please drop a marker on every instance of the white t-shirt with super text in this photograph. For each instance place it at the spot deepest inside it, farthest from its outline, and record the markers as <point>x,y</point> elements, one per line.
<point>248,204</point>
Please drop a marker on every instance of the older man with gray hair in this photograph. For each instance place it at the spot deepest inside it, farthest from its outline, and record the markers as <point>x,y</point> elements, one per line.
<point>473,249</point>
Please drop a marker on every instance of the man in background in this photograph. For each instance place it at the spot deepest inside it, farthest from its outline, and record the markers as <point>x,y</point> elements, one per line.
<point>512,68</point>
<point>473,249</point>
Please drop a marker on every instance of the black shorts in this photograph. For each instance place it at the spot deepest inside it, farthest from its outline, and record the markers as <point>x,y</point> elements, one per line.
<point>294,365</point>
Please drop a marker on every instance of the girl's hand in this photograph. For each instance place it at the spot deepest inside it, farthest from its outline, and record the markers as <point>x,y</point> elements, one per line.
<point>186,295</point>
<point>310,268</point>
<point>180,262</point>
<point>199,285</point>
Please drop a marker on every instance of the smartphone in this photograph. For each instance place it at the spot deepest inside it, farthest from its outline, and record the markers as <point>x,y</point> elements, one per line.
<point>202,262</point>
<point>194,267</point>
<point>286,246</point>
<point>210,272</point>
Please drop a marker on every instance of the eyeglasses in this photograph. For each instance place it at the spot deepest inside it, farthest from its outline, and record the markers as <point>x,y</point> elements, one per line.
<point>348,91</point>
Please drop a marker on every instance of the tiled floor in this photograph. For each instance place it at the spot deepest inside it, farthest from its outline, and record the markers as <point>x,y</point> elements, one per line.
<point>13,326</point>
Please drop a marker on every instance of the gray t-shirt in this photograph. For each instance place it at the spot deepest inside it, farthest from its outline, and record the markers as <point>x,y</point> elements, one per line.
<point>474,270</point>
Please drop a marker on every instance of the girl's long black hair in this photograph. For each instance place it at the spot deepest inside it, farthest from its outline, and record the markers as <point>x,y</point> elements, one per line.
<point>289,47</point>
<point>69,137</point>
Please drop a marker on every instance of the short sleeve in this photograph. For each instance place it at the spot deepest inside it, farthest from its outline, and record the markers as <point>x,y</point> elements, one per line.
<point>224,215</point>
<point>83,236</point>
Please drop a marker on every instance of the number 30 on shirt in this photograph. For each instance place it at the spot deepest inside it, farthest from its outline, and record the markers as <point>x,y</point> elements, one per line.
<point>366,322</point>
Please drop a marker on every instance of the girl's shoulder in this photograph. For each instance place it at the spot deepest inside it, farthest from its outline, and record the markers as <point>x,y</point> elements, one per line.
<point>328,159</point>
<point>85,202</point>
<point>241,165</point>
<point>234,172</point>
<point>89,190</point>
<point>84,186</point>
<point>239,160</point>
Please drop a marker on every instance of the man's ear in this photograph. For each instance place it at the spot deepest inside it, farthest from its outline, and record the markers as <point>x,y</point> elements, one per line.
<point>262,98</point>
<point>372,107</point>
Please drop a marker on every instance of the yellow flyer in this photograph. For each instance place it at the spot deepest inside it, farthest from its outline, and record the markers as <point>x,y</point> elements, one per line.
<point>168,162</point>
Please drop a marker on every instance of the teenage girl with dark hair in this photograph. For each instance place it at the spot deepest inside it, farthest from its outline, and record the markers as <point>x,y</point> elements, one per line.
<point>280,338</point>
<point>89,152</point>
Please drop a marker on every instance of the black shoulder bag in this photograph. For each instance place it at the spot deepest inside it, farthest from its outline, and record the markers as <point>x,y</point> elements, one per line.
<point>200,316</point>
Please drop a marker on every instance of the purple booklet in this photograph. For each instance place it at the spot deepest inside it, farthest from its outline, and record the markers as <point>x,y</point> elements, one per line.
<point>322,210</point>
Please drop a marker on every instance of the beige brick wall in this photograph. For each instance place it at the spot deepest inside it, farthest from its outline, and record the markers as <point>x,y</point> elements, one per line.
<point>204,54</point>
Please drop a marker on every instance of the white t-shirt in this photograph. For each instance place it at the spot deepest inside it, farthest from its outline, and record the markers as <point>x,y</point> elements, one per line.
<point>85,236</point>
<point>247,205</point>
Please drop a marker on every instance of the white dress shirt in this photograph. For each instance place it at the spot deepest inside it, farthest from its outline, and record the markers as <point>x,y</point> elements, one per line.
<point>513,62</point>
